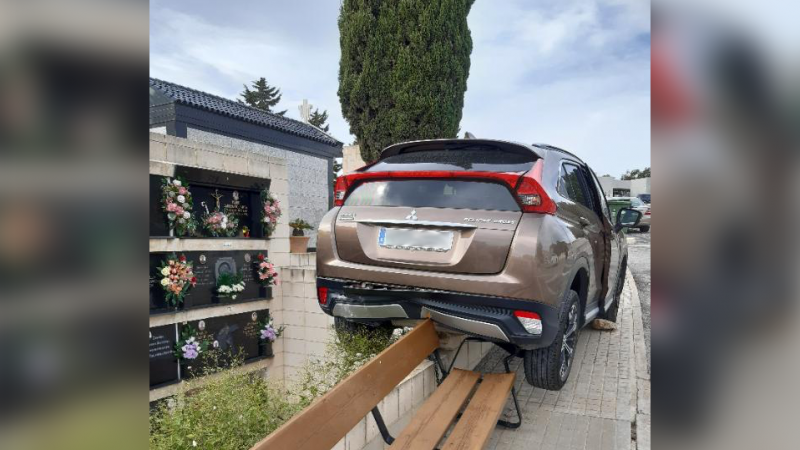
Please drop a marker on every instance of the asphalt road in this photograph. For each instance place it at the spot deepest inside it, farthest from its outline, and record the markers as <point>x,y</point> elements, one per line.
<point>639,265</point>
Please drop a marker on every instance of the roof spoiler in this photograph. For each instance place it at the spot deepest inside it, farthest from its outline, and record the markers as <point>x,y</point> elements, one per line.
<point>453,144</point>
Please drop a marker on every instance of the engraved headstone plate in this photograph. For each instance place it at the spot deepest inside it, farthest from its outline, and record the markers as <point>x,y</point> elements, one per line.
<point>163,363</point>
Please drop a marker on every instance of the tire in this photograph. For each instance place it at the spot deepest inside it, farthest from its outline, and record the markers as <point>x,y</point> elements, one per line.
<point>644,229</point>
<point>549,367</point>
<point>343,325</point>
<point>611,314</point>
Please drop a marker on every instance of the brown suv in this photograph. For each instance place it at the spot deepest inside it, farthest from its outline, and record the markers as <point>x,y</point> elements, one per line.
<point>507,242</point>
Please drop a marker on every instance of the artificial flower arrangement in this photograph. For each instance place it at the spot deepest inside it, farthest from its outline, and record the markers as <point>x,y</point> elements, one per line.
<point>190,346</point>
<point>246,232</point>
<point>177,278</point>
<point>268,331</point>
<point>176,201</point>
<point>270,213</point>
<point>220,224</point>
<point>230,285</point>
<point>267,275</point>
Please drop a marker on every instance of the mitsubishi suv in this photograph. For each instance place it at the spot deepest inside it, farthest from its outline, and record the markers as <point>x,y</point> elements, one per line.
<point>507,242</point>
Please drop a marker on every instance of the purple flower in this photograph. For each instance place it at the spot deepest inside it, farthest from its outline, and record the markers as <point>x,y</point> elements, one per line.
<point>268,333</point>
<point>191,350</point>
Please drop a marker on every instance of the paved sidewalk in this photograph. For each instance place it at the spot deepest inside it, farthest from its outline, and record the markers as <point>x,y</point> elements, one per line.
<point>604,405</point>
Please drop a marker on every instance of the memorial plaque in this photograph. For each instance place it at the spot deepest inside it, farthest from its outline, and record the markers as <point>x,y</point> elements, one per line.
<point>232,334</point>
<point>205,291</point>
<point>163,363</point>
<point>239,195</point>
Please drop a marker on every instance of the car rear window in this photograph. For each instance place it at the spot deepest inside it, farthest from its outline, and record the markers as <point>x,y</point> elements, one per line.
<point>434,194</point>
<point>470,159</point>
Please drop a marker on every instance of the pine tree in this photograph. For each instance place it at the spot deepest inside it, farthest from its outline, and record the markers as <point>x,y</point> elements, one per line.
<point>318,119</point>
<point>263,96</point>
<point>403,70</point>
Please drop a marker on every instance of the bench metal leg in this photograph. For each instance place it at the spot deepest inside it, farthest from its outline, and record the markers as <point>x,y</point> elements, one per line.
<point>376,414</point>
<point>505,423</point>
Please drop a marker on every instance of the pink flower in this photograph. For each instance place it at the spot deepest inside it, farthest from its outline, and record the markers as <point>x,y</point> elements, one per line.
<point>182,190</point>
<point>179,211</point>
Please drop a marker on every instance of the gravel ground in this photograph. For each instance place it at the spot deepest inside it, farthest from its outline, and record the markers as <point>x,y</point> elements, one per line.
<point>639,265</point>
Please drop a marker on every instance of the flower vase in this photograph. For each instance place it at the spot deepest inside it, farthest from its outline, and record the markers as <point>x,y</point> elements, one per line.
<point>171,231</point>
<point>265,348</point>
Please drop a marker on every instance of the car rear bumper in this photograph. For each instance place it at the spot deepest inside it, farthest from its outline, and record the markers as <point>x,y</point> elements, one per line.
<point>491,318</point>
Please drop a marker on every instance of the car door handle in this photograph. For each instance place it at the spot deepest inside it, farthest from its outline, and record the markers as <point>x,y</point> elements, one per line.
<point>584,221</point>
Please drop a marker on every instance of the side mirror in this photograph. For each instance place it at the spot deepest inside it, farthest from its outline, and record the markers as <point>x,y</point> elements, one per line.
<point>627,217</point>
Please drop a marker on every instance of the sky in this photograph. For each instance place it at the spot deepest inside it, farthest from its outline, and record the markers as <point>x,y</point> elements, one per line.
<point>574,74</point>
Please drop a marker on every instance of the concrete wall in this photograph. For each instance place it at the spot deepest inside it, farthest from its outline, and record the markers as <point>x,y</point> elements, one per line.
<point>308,175</point>
<point>636,187</point>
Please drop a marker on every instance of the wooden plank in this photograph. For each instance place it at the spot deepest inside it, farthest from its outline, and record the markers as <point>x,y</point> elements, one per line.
<point>437,413</point>
<point>323,423</point>
<point>480,418</point>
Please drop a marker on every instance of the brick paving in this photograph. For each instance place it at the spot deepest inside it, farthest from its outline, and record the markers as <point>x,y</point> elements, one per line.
<point>599,406</point>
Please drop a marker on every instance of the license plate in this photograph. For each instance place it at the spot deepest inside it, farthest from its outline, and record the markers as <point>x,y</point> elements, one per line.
<point>415,240</point>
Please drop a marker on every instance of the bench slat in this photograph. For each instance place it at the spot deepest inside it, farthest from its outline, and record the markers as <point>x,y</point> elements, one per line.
<point>323,423</point>
<point>437,413</point>
<point>480,418</point>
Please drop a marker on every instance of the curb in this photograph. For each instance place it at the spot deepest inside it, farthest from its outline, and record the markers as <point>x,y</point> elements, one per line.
<point>641,372</point>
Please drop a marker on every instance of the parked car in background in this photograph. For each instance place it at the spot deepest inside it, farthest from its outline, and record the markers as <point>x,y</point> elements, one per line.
<point>645,198</point>
<point>639,205</point>
<point>508,242</point>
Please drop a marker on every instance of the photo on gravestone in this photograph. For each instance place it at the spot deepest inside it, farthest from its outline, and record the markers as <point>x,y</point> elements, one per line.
<point>238,196</point>
<point>163,363</point>
<point>228,337</point>
<point>207,267</point>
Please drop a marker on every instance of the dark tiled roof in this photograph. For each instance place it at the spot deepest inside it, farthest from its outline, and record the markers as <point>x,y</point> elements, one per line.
<point>230,108</point>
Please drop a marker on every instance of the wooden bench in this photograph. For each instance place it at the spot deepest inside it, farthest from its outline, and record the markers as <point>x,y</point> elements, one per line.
<point>326,421</point>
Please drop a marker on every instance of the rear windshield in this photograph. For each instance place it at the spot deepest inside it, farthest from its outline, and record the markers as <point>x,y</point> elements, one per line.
<point>477,159</point>
<point>434,194</point>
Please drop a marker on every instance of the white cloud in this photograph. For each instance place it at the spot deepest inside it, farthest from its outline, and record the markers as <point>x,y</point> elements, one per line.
<point>569,73</point>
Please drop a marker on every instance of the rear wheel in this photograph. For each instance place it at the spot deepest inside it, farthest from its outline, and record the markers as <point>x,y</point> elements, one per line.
<point>549,367</point>
<point>644,229</point>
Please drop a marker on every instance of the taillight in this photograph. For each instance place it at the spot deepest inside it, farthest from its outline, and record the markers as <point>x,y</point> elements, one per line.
<point>322,295</point>
<point>530,321</point>
<point>647,213</point>
<point>530,194</point>
<point>340,190</point>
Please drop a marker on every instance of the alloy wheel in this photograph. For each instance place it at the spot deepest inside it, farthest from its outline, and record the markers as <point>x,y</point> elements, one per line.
<point>570,341</point>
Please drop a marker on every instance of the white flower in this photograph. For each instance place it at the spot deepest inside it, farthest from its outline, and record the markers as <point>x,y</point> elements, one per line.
<point>233,297</point>
<point>186,215</point>
<point>181,199</point>
<point>224,219</point>
<point>190,340</point>
<point>223,225</point>
<point>165,271</point>
<point>176,182</point>
<point>194,443</point>
<point>165,281</point>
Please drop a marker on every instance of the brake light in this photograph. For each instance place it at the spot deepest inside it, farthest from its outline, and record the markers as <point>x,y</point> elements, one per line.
<point>527,189</point>
<point>647,213</point>
<point>531,321</point>
<point>322,295</point>
<point>530,194</point>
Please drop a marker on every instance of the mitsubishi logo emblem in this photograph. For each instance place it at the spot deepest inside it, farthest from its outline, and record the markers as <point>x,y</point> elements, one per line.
<point>413,215</point>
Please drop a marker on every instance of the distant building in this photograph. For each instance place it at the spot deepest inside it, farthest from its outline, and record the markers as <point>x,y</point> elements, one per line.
<point>201,117</point>
<point>351,159</point>
<point>624,188</point>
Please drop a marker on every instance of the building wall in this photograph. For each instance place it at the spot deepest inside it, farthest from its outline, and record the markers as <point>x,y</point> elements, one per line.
<point>351,159</point>
<point>636,187</point>
<point>308,177</point>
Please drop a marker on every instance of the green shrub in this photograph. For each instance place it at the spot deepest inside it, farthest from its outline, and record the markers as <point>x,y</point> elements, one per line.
<point>235,410</point>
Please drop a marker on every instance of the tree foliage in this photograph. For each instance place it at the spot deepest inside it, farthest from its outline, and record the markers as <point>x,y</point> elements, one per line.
<point>318,119</point>
<point>636,174</point>
<point>262,96</point>
<point>403,70</point>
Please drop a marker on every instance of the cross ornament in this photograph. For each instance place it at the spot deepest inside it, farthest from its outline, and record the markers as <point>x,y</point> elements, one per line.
<point>216,195</point>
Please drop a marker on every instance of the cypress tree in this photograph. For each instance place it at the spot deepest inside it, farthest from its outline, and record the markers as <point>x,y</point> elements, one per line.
<point>263,96</point>
<point>403,70</point>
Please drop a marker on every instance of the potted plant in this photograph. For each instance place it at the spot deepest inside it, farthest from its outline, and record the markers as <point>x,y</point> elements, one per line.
<point>268,334</point>
<point>298,242</point>
<point>267,275</point>
<point>229,285</point>
<point>177,278</point>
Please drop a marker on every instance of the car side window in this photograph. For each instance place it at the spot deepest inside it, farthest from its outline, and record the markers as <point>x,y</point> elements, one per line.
<point>574,185</point>
<point>601,195</point>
